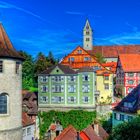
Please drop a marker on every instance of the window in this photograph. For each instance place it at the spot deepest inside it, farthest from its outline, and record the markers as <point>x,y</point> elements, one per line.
<point>86,88</point>
<point>121,117</point>
<point>106,86</point>
<point>85,99</point>
<point>87,39</point>
<point>17,67</point>
<point>130,89</point>
<point>57,78</point>
<point>72,99</point>
<point>131,74</point>
<point>71,59</point>
<point>58,88</point>
<point>3,103</point>
<point>24,132</point>
<point>1,66</point>
<point>87,33</point>
<point>128,104</point>
<point>87,27</point>
<point>86,58</point>
<point>57,99</point>
<point>117,116</point>
<point>72,88</point>
<point>79,51</point>
<point>44,99</point>
<point>44,88</point>
<point>43,79</point>
<point>72,78</point>
<point>130,82</point>
<point>85,77</point>
<point>106,77</point>
<point>29,131</point>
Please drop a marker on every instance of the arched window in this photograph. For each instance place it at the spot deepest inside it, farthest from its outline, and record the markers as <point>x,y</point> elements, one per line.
<point>3,103</point>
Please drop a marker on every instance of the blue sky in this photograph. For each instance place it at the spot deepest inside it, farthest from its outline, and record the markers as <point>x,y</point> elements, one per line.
<point>56,25</point>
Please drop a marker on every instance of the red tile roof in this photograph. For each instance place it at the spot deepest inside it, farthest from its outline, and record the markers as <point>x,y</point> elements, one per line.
<point>6,47</point>
<point>114,51</point>
<point>26,120</point>
<point>111,66</point>
<point>130,62</point>
<point>68,133</point>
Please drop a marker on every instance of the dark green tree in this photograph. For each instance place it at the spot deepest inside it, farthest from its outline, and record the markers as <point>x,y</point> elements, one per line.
<point>51,60</point>
<point>40,63</point>
<point>27,71</point>
<point>127,131</point>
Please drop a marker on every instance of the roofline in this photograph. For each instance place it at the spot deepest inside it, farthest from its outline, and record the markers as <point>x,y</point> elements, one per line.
<point>19,58</point>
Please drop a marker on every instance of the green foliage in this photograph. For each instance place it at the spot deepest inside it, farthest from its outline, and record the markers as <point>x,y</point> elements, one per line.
<point>27,71</point>
<point>127,130</point>
<point>106,123</point>
<point>78,118</point>
<point>100,58</point>
<point>31,68</point>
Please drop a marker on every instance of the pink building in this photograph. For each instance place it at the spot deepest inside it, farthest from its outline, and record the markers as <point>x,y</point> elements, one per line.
<point>127,73</point>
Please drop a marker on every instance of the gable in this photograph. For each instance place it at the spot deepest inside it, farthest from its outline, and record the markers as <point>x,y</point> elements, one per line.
<point>56,70</point>
<point>79,58</point>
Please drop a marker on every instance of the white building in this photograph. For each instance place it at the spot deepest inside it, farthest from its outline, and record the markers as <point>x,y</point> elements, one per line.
<point>10,90</point>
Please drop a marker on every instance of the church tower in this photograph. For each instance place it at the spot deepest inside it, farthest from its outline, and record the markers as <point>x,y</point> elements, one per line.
<point>87,37</point>
<point>10,90</point>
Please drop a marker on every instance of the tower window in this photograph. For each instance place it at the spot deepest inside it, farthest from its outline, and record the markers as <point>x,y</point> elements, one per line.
<point>87,27</point>
<point>3,103</point>
<point>87,39</point>
<point>87,33</point>
<point>1,66</point>
<point>17,67</point>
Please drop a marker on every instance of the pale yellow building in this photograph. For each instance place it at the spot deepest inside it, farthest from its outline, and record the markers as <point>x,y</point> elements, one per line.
<point>104,86</point>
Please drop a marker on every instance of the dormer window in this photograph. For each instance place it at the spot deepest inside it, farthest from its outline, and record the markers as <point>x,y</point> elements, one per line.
<point>1,66</point>
<point>86,58</point>
<point>79,51</point>
<point>17,67</point>
<point>71,59</point>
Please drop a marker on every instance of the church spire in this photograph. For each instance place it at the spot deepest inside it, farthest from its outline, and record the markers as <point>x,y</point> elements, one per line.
<point>87,36</point>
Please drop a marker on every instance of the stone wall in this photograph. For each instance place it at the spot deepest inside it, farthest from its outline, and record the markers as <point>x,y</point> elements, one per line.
<point>10,83</point>
<point>12,134</point>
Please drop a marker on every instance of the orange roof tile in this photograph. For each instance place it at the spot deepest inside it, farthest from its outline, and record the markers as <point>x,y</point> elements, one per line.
<point>114,51</point>
<point>130,62</point>
<point>111,65</point>
<point>68,133</point>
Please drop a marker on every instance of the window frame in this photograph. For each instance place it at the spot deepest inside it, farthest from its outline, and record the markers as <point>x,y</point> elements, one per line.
<point>1,66</point>
<point>17,67</point>
<point>7,104</point>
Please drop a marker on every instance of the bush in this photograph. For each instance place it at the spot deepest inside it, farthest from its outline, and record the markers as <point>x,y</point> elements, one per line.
<point>78,118</point>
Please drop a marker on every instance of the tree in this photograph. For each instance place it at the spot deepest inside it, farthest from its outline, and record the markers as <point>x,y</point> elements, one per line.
<point>40,63</point>
<point>50,59</point>
<point>127,130</point>
<point>27,71</point>
<point>100,58</point>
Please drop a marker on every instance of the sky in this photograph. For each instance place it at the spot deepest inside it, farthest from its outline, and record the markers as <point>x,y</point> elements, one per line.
<point>56,25</point>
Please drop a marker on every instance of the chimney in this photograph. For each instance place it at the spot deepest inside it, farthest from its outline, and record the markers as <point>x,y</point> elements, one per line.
<point>96,127</point>
<point>78,136</point>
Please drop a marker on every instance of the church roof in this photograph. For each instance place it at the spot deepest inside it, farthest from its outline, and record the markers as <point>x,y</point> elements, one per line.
<point>6,48</point>
<point>114,50</point>
<point>130,62</point>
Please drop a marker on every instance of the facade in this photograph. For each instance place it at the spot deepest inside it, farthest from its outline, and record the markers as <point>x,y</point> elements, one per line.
<point>127,73</point>
<point>80,58</point>
<point>128,108</point>
<point>10,90</point>
<point>104,86</point>
<point>61,87</point>
<point>28,130</point>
